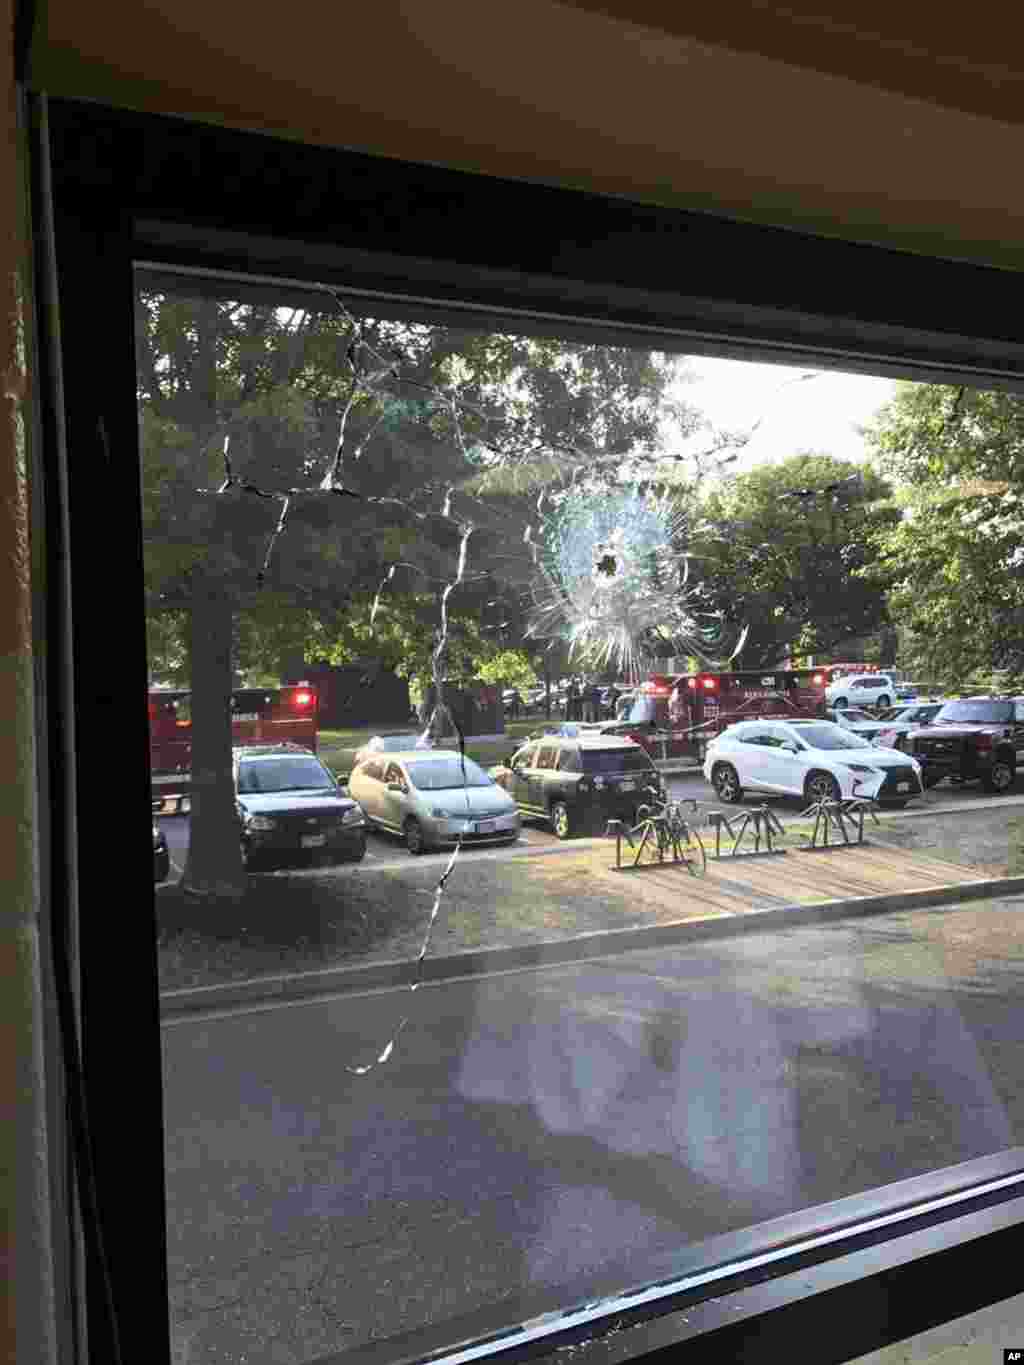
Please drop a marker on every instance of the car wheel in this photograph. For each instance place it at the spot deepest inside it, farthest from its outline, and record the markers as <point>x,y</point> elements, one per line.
<point>414,840</point>
<point>821,786</point>
<point>1000,777</point>
<point>883,702</point>
<point>726,782</point>
<point>839,704</point>
<point>561,820</point>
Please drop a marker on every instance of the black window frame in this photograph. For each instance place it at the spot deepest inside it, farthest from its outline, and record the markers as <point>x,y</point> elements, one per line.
<point>112,189</point>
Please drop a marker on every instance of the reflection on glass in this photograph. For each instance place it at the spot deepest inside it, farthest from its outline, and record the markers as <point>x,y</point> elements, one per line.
<point>391,1113</point>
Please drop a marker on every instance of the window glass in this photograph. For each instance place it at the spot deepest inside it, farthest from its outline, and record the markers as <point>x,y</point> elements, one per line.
<point>975,713</point>
<point>616,761</point>
<point>832,737</point>
<point>404,1169</point>
<point>282,773</point>
<point>1018,711</point>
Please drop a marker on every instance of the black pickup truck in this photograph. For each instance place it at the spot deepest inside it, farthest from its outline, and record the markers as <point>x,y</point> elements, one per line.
<point>975,739</point>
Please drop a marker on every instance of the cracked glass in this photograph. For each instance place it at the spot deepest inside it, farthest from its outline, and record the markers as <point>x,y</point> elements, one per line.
<point>441,1062</point>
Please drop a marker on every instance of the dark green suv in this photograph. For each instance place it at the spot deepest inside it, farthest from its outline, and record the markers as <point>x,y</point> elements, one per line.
<point>579,783</point>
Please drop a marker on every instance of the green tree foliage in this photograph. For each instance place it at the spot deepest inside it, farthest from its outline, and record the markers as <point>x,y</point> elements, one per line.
<point>955,559</point>
<point>779,553</point>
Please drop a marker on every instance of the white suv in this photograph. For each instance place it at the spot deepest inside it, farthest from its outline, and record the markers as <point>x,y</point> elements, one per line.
<point>861,689</point>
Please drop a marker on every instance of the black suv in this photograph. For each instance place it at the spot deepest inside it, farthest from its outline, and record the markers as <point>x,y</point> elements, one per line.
<point>975,739</point>
<point>579,782</point>
<point>289,805</point>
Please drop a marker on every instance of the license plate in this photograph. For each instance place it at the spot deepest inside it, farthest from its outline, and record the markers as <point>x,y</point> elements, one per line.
<point>903,786</point>
<point>486,827</point>
<point>245,715</point>
<point>313,840</point>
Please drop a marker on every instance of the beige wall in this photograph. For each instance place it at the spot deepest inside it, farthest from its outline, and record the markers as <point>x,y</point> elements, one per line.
<point>556,93</point>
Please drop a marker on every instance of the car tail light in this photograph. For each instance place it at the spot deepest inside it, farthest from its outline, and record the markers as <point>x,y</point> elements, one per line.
<point>709,683</point>
<point>303,698</point>
<point>691,682</point>
<point>984,742</point>
<point>817,680</point>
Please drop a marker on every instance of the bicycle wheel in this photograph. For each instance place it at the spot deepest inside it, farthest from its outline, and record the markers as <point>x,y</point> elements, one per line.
<point>693,850</point>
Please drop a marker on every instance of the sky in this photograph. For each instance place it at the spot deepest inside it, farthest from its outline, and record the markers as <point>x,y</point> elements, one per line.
<point>819,414</point>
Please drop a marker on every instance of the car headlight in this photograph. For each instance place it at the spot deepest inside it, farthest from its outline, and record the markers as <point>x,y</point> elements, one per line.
<point>260,822</point>
<point>352,817</point>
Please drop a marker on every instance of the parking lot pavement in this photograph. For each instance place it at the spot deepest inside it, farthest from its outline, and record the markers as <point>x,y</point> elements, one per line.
<point>787,808</point>
<point>384,850</point>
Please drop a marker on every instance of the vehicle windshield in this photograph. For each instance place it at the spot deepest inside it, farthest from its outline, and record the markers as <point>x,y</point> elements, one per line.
<point>616,761</point>
<point>975,713</point>
<point>831,737</point>
<point>443,774</point>
<point>386,744</point>
<point>642,711</point>
<point>282,774</point>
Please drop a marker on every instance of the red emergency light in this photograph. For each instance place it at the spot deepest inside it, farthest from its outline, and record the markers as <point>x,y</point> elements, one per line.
<point>303,698</point>
<point>709,683</point>
<point>691,682</point>
<point>818,679</point>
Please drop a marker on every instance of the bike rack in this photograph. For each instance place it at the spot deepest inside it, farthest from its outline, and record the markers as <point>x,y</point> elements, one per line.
<point>829,813</point>
<point>760,820</point>
<point>619,830</point>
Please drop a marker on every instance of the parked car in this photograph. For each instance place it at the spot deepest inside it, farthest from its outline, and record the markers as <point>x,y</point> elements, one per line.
<point>289,805</point>
<point>161,855</point>
<point>433,799</point>
<point>858,721</point>
<point>579,782</point>
<point>973,739</point>
<point>861,689</point>
<point>392,744</point>
<point>811,759</point>
<point>898,722</point>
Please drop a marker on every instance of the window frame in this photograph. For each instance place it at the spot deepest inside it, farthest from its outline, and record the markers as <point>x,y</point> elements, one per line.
<point>113,189</point>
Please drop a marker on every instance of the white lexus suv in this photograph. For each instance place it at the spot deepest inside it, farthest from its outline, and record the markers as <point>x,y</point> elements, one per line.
<point>812,759</point>
<point>861,689</point>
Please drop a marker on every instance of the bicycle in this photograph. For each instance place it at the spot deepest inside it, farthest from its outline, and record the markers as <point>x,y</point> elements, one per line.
<point>666,835</point>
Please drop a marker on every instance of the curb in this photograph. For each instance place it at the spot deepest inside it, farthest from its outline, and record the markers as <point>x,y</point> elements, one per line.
<point>381,976</point>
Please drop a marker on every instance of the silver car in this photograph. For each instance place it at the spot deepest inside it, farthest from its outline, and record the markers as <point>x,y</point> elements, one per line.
<point>432,798</point>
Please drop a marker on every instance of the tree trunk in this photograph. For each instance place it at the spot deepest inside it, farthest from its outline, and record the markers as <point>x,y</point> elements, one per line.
<point>214,863</point>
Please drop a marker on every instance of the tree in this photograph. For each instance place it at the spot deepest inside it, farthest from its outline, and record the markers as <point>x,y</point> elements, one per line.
<point>954,558</point>
<point>780,550</point>
<point>311,479</point>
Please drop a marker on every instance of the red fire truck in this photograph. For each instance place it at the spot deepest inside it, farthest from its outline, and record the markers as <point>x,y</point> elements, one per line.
<point>674,714</point>
<point>262,715</point>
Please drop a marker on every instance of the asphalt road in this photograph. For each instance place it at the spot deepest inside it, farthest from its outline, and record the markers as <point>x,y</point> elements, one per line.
<point>544,1137</point>
<point>384,848</point>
